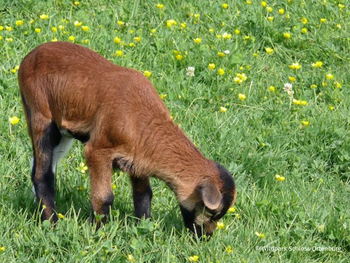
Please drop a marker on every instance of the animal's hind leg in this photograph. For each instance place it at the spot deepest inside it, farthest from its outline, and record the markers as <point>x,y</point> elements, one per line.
<point>46,136</point>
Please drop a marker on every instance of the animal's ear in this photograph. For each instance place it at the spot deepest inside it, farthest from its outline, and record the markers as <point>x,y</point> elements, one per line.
<point>210,194</point>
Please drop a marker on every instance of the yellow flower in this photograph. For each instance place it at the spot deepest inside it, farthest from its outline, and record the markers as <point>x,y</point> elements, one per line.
<point>117,40</point>
<point>131,258</point>
<point>313,86</point>
<point>237,80</point>
<point>183,25</point>
<point>337,84</point>
<point>287,35</point>
<point>120,23</point>
<point>304,30</point>
<point>269,9</point>
<point>147,73</point>
<point>114,186</point>
<point>193,258</point>
<point>329,76</point>
<point>270,18</point>
<point>1,28</point>
<point>303,102</point>
<point>170,23</point>
<point>19,22</point>
<point>221,54</point>
<point>228,249</point>
<point>263,4</point>
<point>85,28</point>
<point>8,28</point>
<point>60,216</point>
<point>223,109</point>
<point>338,26</point>
<point>292,79</point>
<point>44,16</point>
<point>280,178</point>
<point>221,71</point>
<point>85,41</point>
<point>38,30</point>
<point>232,209</point>
<point>2,249</point>
<point>10,39</point>
<point>237,31</point>
<point>179,57</point>
<point>54,29</point>
<point>331,107</point>
<point>197,40</point>
<point>220,225</point>
<point>305,123</point>
<point>295,66</point>
<point>248,2</point>
<point>83,168</point>
<point>119,53</point>
<point>224,6</point>
<point>317,64</point>
<point>269,50</point>
<point>137,39</point>
<point>281,11</point>
<point>211,66</point>
<point>261,235</point>
<point>159,6</point>
<point>226,35</point>
<point>163,96</point>
<point>272,88</point>
<point>76,3</point>
<point>197,16</point>
<point>14,120</point>
<point>296,102</point>
<point>78,23</point>
<point>71,38</point>
<point>242,96</point>
<point>246,37</point>
<point>60,27</point>
<point>304,20</point>
<point>323,20</point>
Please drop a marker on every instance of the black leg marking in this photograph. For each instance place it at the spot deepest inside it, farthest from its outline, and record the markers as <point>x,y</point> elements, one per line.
<point>142,196</point>
<point>42,174</point>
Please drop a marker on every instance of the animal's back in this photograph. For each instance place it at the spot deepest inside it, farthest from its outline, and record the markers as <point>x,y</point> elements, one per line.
<point>66,80</point>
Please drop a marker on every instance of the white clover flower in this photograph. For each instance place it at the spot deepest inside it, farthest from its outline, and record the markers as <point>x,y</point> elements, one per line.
<point>227,52</point>
<point>190,71</point>
<point>289,89</point>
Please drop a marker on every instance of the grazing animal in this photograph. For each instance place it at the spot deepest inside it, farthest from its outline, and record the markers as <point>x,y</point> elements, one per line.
<point>70,92</point>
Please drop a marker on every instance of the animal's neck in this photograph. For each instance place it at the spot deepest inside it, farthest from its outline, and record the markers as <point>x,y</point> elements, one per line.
<point>170,156</point>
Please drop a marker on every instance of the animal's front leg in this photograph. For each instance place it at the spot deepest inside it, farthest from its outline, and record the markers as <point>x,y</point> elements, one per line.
<point>142,196</point>
<point>100,170</point>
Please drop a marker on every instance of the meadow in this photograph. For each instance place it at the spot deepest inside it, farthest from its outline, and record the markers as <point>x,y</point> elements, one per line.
<point>261,87</point>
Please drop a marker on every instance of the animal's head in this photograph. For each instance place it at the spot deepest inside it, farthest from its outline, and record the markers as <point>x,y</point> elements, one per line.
<point>209,203</point>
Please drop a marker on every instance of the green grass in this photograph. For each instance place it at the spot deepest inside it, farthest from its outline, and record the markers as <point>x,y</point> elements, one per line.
<point>256,138</point>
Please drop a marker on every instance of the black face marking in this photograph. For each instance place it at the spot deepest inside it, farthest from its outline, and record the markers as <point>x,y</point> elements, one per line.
<point>189,217</point>
<point>82,137</point>
<point>227,191</point>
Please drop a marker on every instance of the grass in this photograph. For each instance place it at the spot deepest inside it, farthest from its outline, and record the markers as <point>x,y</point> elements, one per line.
<point>236,118</point>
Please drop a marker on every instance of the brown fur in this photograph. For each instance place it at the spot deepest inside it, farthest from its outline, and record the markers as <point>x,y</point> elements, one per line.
<point>127,122</point>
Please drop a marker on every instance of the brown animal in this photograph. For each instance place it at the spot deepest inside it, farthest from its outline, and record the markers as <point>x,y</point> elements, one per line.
<point>69,91</point>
